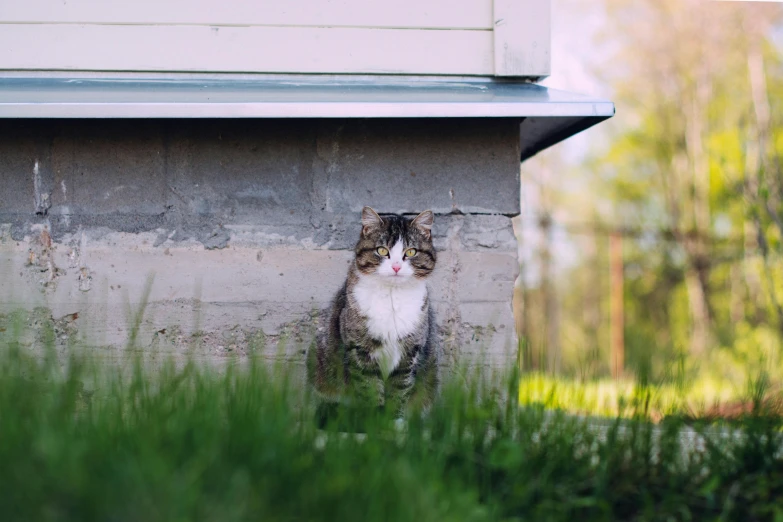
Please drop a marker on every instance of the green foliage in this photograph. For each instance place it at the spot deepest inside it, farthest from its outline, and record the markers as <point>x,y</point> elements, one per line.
<point>185,442</point>
<point>692,182</point>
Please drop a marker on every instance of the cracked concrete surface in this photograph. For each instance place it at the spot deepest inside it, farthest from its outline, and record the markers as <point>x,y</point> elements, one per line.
<point>247,226</point>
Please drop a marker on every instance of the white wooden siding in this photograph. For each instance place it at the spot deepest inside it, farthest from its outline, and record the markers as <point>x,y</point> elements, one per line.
<point>244,49</point>
<point>444,14</point>
<point>439,37</point>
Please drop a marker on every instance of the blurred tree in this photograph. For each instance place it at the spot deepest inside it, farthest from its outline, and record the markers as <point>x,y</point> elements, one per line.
<point>691,180</point>
<point>763,187</point>
<point>691,73</point>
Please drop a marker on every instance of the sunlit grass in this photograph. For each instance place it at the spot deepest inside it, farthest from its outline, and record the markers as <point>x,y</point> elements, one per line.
<point>627,398</point>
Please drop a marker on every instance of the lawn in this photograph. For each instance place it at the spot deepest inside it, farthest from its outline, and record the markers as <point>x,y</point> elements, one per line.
<point>700,399</point>
<point>182,441</point>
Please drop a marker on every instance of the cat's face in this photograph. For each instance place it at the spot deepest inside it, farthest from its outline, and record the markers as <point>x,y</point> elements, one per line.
<point>395,248</point>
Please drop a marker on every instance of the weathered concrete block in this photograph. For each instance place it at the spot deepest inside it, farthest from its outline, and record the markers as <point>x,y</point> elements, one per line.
<point>486,276</point>
<point>98,170</point>
<point>21,184</point>
<point>418,164</point>
<point>243,172</point>
<point>247,227</point>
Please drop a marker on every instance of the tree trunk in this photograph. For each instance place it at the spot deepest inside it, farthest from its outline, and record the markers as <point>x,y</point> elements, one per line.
<point>697,271</point>
<point>549,289</point>
<point>617,321</point>
<point>701,335</point>
<point>761,106</point>
<point>737,295</point>
<point>591,306</point>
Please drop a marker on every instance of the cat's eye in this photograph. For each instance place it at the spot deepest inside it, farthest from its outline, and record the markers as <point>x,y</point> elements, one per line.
<point>382,251</point>
<point>410,252</point>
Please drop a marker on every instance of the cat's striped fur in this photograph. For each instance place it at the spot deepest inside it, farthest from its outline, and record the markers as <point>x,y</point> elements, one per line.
<point>378,343</point>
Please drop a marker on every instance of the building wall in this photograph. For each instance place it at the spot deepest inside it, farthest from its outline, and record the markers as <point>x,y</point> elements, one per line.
<point>230,235</point>
<point>451,37</point>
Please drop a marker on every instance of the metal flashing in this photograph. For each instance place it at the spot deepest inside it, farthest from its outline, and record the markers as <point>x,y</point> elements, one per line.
<point>547,115</point>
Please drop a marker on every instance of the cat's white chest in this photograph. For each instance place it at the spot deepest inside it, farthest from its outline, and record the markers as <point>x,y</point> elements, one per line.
<point>392,312</point>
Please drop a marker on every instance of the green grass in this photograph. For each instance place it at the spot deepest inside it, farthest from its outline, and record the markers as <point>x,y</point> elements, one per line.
<point>186,442</point>
<point>624,398</point>
<point>701,398</point>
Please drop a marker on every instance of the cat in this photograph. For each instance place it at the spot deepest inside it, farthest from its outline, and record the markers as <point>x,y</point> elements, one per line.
<point>378,344</point>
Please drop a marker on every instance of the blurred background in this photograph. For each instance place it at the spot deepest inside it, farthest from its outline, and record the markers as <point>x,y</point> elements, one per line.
<point>650,245</point>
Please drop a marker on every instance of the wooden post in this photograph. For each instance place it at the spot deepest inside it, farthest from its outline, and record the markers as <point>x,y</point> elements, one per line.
<point>617,322</point>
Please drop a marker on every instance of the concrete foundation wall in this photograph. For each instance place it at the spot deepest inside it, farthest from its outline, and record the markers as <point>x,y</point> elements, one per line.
<point>245,227</point>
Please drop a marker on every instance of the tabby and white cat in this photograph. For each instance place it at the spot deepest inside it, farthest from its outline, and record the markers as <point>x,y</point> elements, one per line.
<point>378,344</point>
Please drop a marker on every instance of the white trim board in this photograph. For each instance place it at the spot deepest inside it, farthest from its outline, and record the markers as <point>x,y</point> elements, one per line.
<point>522,37</point>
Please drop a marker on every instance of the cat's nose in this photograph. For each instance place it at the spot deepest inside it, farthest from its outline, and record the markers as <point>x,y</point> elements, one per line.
<point>396,267</point>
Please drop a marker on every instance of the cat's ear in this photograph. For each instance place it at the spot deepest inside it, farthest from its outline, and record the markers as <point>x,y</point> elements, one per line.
<point>370,220</point>
<point>424,222</point>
